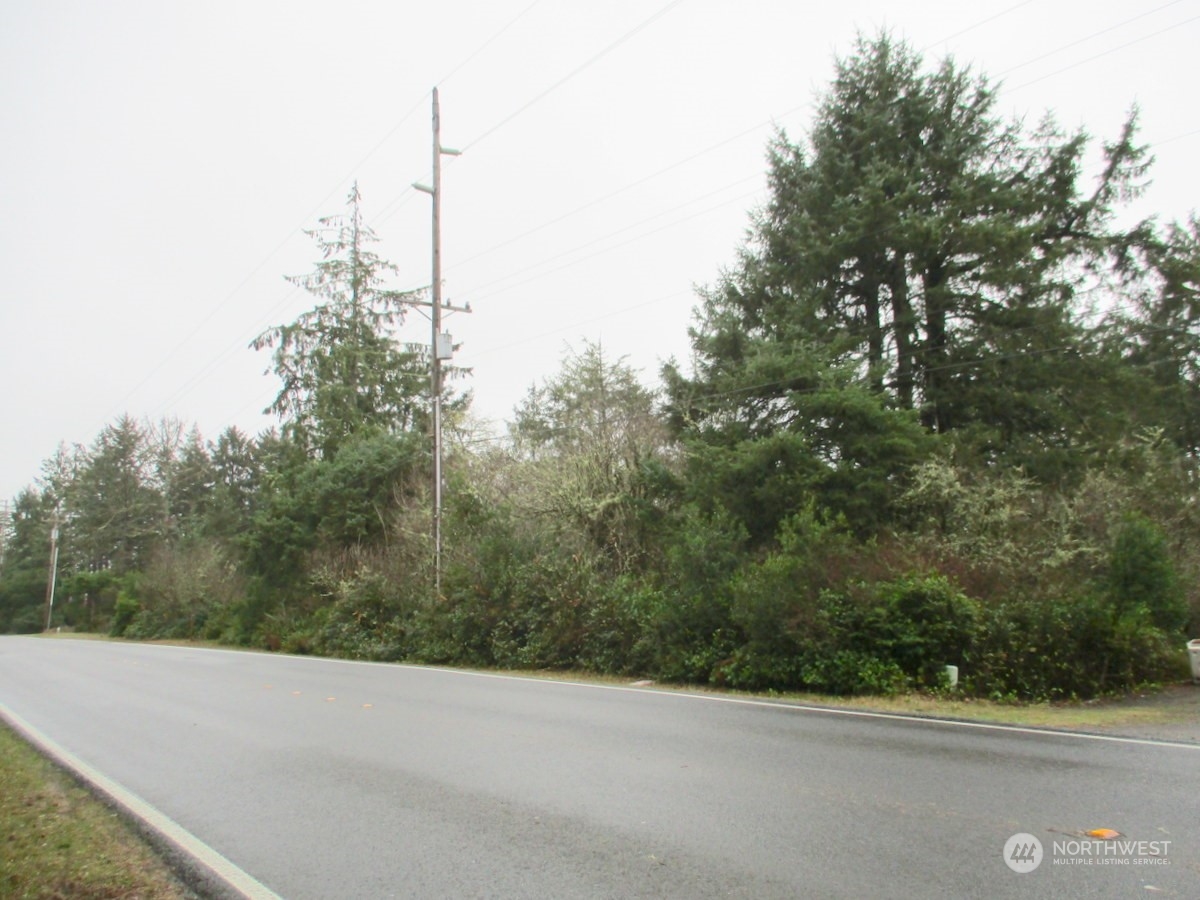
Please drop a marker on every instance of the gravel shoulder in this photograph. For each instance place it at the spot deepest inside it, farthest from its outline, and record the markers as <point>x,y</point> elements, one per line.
<point>1170,713</point>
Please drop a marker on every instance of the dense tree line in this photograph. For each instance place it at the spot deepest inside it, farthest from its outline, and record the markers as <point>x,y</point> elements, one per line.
<point>944,408</point>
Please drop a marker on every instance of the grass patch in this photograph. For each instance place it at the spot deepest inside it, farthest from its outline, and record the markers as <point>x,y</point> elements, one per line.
<point>1160,708</point>
<point>58,842</point>
<point>1087,716</point>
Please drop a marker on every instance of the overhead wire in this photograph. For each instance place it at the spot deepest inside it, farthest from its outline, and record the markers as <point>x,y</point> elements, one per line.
<point>315,211</point>
<point>238,344</point>
<point>408,193</point>
<point>1085,39</point>
<point>266,259</point>
<point>578,324</point>
<point>1178,137</point>
<point>710,400</point>
<point>1105,53</point>
<point>1082,62</point>
<point>395,204</point>
<point>559,83</point>
<point>491,40</point>
<point>623,189</point>
<point>481,293</point>
<point>588,63</point>
<point>558,219</point>
<point>567,215</point>
<point>591,61</point>
<point>978,24</point>
<point>477,296</point>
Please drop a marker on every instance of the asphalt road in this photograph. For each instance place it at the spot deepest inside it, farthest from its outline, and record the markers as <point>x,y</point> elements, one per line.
<point>326,779</point>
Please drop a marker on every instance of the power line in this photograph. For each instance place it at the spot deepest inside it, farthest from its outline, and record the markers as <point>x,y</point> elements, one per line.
<point>980,24</point>
<point>576,71</point>
<point>478,50</point>
<point>1084,40</point>
<point>270,255</point>
<point>621,190</point>
<point>238,344</point>
<point>315,211</point>
<point>608,315</point>
<point>1178,137</point>
<point>403,197</point>
<point>630,186</point>
<point>1108,52</point>
<point>519,111</point>
<point>478,297</point>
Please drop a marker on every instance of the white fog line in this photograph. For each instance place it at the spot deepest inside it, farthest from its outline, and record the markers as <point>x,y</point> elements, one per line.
<point>830,710</point>
<point>205,862</point>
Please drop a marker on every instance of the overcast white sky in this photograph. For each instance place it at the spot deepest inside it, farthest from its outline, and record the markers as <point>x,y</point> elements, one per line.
<point>159,161</point>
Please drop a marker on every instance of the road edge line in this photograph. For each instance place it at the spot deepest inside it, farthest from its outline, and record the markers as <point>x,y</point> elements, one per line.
<point>783,704</point>
<point>200,866</point>
<point>770,703</point>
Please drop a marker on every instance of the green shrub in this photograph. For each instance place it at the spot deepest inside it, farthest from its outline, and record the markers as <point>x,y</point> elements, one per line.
<point>690,628</point>
<point>1073,647</point>
<point>126,609</point>
<point>924,624</point>
<point>364,618</point>
<point>29,620</point>
<point>754,668</point>
<point>1141,576</point>
<point>852,672</point>
<point>617,633</point>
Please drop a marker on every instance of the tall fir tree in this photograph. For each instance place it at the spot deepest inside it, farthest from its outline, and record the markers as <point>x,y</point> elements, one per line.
<point>917,260</point>
<point>342,364</point>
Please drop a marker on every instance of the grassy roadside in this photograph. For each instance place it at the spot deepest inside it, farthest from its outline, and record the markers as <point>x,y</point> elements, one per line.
<point>58,842</point>
<point>1164,708</point>
<point>1155,712</point>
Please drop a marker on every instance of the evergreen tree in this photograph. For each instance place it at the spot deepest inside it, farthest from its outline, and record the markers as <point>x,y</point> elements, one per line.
<point>113,512</point>
<point>587,436</point>
<point>1161,333</point>
<point>342,367</point>
<point>25,566</point>
<point>237,479</point>
<point>917,257</point>
<point>193,480</point>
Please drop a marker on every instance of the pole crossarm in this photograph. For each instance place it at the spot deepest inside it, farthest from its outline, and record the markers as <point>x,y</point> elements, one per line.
<point>446,305</point>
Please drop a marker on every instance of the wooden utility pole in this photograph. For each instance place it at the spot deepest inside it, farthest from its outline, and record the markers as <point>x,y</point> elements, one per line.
<point>440,345</point>
<point>53,574</point>
<point>5,527</point>
<point>435,367</point>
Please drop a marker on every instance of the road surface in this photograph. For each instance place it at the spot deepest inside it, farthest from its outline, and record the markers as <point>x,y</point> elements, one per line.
<point>328,779</point>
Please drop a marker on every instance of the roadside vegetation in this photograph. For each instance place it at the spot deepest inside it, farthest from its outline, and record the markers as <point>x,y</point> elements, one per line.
<point>61,843</point>
<point>943,409</point>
